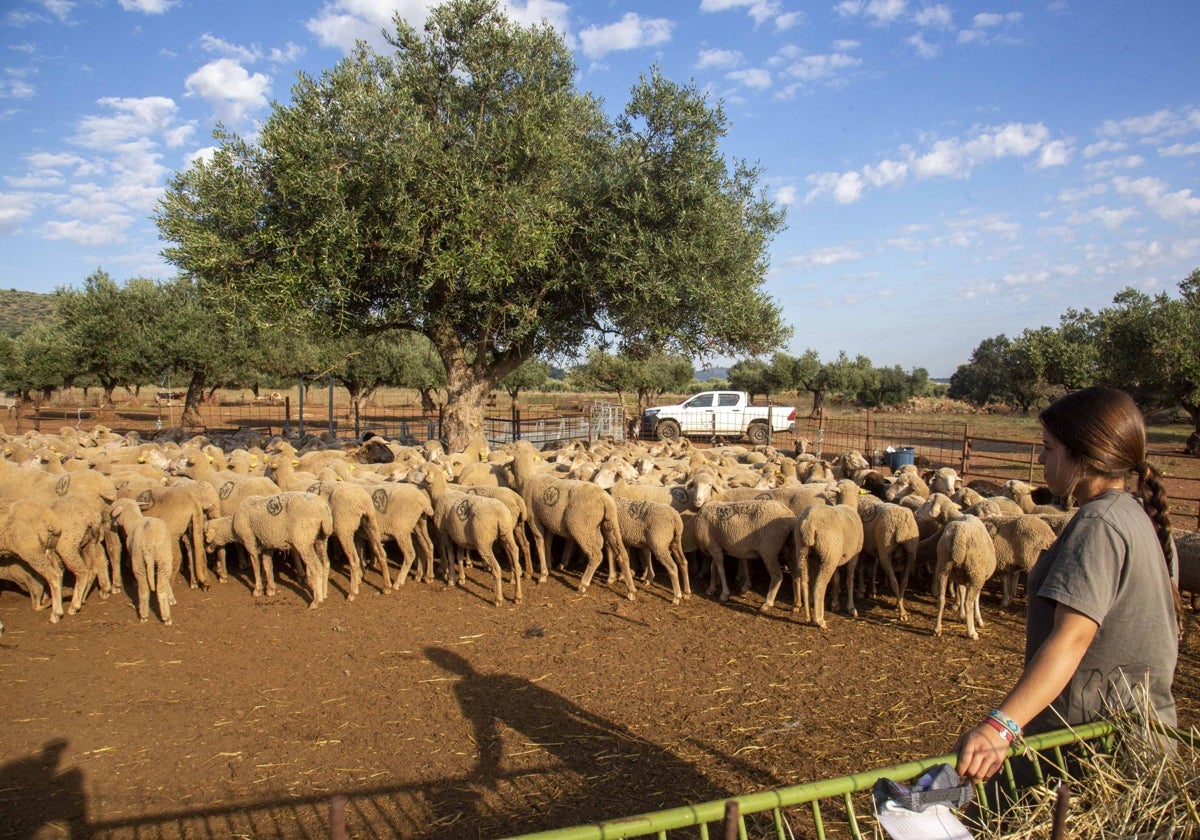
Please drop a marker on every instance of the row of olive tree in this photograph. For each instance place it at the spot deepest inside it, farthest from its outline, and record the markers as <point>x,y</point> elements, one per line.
<point>648,377</point>
<point>1148,345</point>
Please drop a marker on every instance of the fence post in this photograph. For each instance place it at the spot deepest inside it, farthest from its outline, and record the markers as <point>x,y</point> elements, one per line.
<point>1032,461</point>
<point>869,444</point>
<point>966,450</point>
<point>287,415</point>
<point>516,423</point>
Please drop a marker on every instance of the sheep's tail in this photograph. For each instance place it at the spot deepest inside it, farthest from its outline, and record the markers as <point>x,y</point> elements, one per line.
<point>611,530</point>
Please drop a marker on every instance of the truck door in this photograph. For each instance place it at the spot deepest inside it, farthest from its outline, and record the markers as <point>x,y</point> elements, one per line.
<point>697,413</point>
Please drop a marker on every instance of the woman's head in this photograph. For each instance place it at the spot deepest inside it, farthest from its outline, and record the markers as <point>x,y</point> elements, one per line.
<point>1101,430</point>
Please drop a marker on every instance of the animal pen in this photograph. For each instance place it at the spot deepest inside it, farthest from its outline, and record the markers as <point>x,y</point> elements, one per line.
<point>949,443</point>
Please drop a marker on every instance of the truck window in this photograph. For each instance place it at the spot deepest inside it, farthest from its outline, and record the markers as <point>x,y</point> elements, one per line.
<point>727,400</point>
<point>702,401</point>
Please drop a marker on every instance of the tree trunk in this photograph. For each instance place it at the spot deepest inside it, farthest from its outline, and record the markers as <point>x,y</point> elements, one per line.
<point>191,404</point>
<point>466,393</point>
<point>1192,445</point>
<point>818,403</point>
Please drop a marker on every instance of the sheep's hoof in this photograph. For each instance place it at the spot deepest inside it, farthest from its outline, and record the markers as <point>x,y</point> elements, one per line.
<point>542,578</point>
<point>168,621</point>
<point>193,585</point>
<point>582,590</point>
<point>71,610</point>
<point>222,579</point>
<point>314,605</point>
<point>143,618</point>
<point>675,601</point>
<point>271,592</point>
<point>104,595</point>
<point>632,596</point>
<point>821,624</point>
<point>55,617</point>
<point>351,597</point>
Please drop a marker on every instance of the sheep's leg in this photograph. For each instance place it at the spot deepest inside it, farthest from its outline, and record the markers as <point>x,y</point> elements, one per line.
<point>72,559</point>
<point>376,541</point>
<point>268,572</point>
<point>321,548</point>
<point>975,605</point>
<point>513,550</point>
<point>776,574</point>
<point>717,575</point>
<point>941,578</point>
<point>350,549</point>
<point>166,595</point>
<point>665,560</point>
<point>523,546</point>
<point>972,608</point>
<point>112,547</point>
<point>408,555</point>
<point>897,590</point>
<point>799,568</point>
<point>592,548</point>
<point>143,573</point>
<point>743,578</point>
<point>489,559</point>
<point>850,565</point>
<point>681,563</point>
<point>820,583</point>
<point>647,555</point>
<point>51,570</point>
<point>1008,584</point>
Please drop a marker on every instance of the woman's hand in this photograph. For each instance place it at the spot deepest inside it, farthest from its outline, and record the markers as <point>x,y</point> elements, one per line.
<point>981,753</point>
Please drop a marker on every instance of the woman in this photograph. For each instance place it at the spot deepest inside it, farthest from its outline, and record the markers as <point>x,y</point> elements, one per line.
<point>1101,602</point>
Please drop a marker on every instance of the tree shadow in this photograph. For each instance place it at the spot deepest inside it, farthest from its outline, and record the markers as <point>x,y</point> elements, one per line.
<point>36,794</point>
<point>613,772</point>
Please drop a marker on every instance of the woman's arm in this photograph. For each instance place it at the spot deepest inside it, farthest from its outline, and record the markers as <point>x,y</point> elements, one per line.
<point>981,751</point>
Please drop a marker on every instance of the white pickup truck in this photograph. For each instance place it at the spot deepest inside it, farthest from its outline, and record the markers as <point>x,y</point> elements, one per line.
<point>719,414</point>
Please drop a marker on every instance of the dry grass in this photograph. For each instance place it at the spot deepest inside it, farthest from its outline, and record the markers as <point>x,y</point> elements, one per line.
<point>1147,787</point>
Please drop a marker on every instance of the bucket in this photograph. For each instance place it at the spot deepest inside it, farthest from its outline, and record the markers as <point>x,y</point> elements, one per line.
<point>899,457</point>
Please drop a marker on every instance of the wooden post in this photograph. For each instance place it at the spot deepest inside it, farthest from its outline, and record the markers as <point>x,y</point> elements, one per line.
<point>869,444</point>
<point>966,451</point>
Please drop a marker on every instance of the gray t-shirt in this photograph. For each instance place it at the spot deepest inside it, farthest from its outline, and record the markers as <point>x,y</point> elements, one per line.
<point>1108,565</point>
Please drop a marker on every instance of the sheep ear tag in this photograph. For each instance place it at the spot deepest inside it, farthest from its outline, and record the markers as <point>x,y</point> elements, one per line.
<point>923,810</point>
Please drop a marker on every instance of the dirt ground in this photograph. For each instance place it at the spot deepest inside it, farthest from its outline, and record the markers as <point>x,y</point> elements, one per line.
<point>440,715</point>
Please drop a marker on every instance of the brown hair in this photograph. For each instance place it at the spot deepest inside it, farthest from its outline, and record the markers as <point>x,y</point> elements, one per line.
<point>1105,434</point>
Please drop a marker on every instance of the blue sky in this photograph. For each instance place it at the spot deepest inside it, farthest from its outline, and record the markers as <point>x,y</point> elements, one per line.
<point>951,170</point>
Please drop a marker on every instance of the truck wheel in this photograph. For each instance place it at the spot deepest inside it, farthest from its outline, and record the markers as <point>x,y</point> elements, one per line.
<point>667,430</point>
<point>759,434</point>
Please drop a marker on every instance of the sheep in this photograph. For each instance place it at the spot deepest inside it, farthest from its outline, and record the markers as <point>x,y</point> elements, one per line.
<point>1022,494</point>
<point>1187,562</point>
<point>80,545</point>
<point>966,557</point>
<point>178,506</point>
<point>890,534</point>
<point>907,483</point>
<point>29,532</point>
<point>403,512</point>
<point>152,547</point>
<point>520,514</point>
<point>657,531</point>
<point>943,480</point>
<point>295,521</point>
<point>469,521</point>
<point>354,518</point>
<point>744,530</point>
<point>18,573</point>
<point>995,506</point>
<point>1019,541</point>
<point>829,536</point>
<point>577,510</point>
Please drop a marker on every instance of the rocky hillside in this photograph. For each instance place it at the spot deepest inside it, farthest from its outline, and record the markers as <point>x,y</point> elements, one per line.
<point>18,310</point>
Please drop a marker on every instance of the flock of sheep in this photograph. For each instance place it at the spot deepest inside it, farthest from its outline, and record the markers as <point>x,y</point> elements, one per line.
<point>94,504</point>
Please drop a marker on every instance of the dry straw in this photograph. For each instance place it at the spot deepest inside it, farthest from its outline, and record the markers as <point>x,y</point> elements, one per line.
<point>1147,787</point>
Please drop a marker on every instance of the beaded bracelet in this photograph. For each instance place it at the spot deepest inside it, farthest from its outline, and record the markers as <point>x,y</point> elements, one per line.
<point>1005,733</point>
<point>1004,720</point>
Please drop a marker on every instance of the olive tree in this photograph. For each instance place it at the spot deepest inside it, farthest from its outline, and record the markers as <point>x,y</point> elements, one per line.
<point>461,187</point>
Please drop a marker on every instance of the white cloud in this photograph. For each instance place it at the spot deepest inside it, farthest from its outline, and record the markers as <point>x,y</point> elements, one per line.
<point>1144,124</point>
<point>752,78</point>
<point>1111,219</point>
<point>286,54</point>
<point>1072,196</point>
<point>14,209</point>
<point>1173,206</point>
<point>631,32</point>
<point>922,47</point>
<point>132,118</point>
<point>934,17</point>
<point>786,195</point>
<point>947,158</point>
<point>811,68</point>
<point>109,232</point>
<point>1104,147</point>
<point>878,12</point>
<point>219,46</point>
<point>1179,150</point>
<point>984,26</point>
<point>148,7</point>
<point>718,58</point>
<point>822,257</point>
<point>231,91</point>
<point>1105,168</point>
<point>1054,153</point>
<point>759,10</point>
<point>14,84</point>
<point>61,9</point>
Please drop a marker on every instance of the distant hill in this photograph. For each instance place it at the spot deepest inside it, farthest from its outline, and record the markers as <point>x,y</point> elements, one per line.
<point>20,310</point>
<point>712,373</point>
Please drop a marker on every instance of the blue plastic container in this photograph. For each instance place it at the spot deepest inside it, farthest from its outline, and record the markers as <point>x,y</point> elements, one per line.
<point>901,456</point>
